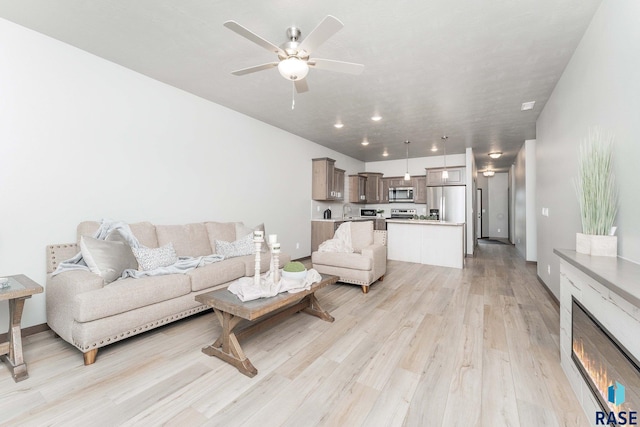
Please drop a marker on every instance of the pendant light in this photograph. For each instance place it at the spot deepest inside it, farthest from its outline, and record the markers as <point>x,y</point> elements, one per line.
<point>407,177</point>
<point>445,173</point>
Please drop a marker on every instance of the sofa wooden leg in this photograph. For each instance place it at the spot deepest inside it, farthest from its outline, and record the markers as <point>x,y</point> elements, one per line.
<point>365,289</point>
<point>90,356</point>
<point>381,278</point>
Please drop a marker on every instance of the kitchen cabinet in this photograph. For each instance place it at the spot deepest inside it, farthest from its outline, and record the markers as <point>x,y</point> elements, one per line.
<point>357,189</point>
<point>373,187</point>
<point>327,181</point>
<point>338,184</point>
<point>456,177</point>
<point>385,190</point>
<point>419,189</point>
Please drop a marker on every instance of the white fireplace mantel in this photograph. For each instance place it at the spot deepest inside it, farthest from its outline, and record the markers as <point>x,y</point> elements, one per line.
<point>610,289</point>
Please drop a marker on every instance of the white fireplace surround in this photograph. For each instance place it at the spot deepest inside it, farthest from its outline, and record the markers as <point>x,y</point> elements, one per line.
<point>608,288</point>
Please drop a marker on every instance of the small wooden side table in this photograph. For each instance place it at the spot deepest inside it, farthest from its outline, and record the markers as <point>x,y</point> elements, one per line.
<point>20,288</point>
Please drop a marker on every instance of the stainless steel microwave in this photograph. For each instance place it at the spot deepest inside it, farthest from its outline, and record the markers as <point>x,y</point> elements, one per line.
<point>401,195</point>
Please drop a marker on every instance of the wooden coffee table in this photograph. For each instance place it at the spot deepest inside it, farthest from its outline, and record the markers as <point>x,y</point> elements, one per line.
<point>20,288</point>
<point>261,313</point>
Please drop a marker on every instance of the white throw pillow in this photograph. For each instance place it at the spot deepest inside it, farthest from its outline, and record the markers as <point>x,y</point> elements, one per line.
<point>242,230</point>
<point>152,258</point>
<point>108,259</point>
<point>240,247</point>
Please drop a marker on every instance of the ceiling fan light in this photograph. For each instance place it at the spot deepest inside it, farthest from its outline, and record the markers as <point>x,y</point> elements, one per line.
<point>293,69</point>
<point>495,154</point>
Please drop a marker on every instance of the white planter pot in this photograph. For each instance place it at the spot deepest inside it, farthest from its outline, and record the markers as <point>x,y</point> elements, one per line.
<point>597,245</point>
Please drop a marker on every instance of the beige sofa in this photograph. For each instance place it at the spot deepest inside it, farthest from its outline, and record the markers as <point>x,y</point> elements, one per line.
<point>366,265</point>
<point>90,314</point>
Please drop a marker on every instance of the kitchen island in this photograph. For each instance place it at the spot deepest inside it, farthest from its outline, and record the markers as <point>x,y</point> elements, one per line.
<point>426,242</point>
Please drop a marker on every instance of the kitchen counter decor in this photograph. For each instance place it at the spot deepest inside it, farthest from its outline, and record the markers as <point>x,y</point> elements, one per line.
<point>597,196</point>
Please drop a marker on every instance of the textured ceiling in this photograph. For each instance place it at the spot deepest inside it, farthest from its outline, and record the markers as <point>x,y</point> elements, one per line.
<point>459,68</point>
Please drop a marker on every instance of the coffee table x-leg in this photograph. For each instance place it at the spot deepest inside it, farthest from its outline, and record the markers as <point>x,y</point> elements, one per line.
<point>230,311</point>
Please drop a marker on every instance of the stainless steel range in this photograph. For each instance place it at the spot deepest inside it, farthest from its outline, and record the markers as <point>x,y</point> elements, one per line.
<point>403,213</point>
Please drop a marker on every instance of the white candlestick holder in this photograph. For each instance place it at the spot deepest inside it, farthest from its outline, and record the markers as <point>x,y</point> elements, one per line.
<point>256,278</point>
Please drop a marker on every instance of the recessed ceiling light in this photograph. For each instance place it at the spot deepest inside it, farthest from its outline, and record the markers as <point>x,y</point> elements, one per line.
<point>527,105</point>
<point>364,142</point>
<point>385,154</point>
<point>338,125</point>
<point>376,118</point>
<point>488,172</point>
<point>495,154</point>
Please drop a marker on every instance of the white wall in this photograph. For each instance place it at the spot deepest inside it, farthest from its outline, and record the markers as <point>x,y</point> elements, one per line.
<point>83,139</point>
<point>599,87</point>
<point>524,192</point>
<point>471,183</point>
<point>499,202</point>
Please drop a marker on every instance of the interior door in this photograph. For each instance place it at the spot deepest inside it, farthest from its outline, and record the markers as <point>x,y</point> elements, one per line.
<point>479,212</point>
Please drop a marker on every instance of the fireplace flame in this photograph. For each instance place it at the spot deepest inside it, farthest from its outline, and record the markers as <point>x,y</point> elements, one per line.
<point>596,371</point>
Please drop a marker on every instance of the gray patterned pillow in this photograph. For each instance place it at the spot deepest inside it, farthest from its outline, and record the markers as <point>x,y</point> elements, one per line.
<point>152,258</point>
<point>240,247</point>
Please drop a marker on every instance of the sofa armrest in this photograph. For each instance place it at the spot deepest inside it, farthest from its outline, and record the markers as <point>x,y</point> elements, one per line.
<point>61,294</point>
<point>380,237</point>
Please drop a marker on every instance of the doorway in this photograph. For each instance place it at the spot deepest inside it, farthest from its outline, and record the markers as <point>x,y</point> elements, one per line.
<point>479,213</point>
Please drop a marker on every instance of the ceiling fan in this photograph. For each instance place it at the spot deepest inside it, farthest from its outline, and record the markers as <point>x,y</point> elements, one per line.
<point>293,55</point>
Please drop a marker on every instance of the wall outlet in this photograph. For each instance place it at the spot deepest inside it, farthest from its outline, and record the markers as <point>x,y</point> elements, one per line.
<point>548,269</point>
<point>297,245</point>
<point>317,208</point>
<point>498,230</point>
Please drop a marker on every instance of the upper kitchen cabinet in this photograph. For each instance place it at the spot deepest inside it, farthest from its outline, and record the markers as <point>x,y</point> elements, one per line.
<point>373,187</point>
<point>456,177</point>
<point>419,189</point>
<point>327,180</point>
<point>357,189</point>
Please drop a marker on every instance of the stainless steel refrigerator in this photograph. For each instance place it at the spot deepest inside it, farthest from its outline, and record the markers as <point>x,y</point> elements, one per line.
<point>448,202</point>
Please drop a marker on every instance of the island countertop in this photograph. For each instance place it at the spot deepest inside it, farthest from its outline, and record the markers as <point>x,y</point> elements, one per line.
<point>423,222</point>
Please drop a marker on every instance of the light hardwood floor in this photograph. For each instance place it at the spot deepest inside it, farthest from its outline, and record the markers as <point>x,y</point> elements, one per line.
<point>428,346</point>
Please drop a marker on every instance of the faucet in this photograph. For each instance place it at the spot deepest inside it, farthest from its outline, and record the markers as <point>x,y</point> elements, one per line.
<point>346,208</point>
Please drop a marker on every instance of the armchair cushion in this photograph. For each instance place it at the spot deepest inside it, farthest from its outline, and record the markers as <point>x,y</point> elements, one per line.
<point>339,259</point>
<point>361,234</point>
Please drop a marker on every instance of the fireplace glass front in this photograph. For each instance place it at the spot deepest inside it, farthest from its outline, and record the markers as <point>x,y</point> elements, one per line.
<point>611,372</point>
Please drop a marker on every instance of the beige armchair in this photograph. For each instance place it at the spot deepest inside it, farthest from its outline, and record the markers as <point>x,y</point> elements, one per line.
<point>365,265</point>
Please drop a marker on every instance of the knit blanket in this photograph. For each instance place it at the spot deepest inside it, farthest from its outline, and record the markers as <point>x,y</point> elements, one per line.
<point>341,241</point>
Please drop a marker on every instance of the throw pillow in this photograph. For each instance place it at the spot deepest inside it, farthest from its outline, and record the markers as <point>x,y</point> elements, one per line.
<point>152,258</point>
<point>108,259</point>
<point>240,247</point>
<point>242,230</point>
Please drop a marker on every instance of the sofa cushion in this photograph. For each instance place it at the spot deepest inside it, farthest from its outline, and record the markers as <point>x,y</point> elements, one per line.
<point>145,232</point>
<point>340,259</point>
<point>265,262</point>
<point>188,240</point>
<point>128,294</point>
<point>225,231</point>
<point>106,258</point>
<point>152,258</point>
<point>216,273</point>
<point>361,235</point>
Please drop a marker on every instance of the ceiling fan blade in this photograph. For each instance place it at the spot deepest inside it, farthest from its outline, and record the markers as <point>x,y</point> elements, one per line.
<point>239,29</point>
<point>255,68</point>
<point>301,85</point>
<point>338,66</point>
<point>325,29</point>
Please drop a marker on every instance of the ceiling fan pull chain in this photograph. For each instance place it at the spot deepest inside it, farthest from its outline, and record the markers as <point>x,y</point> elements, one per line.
<point>293,94</point>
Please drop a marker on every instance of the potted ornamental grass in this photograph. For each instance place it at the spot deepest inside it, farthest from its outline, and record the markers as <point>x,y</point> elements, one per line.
<point>597,196</point>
